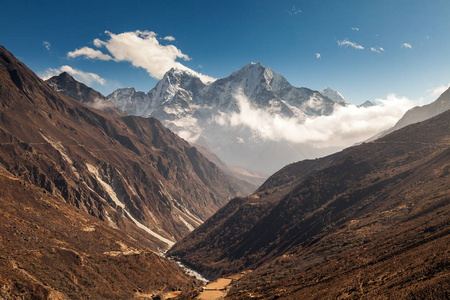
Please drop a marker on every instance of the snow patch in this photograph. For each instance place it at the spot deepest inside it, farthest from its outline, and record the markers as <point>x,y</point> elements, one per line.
<point>62,151</point>
<point>189,226</point>
<point>110,221</point>
<point>148,230</point>
<point>106,187</point>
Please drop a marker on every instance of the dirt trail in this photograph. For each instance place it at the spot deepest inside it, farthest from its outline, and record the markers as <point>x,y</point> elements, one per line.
<point>218,289</point>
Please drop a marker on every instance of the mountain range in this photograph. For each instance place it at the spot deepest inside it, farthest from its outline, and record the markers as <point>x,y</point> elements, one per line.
<point>91,198</point>
<point>131,172</point>
<point>203,113</point>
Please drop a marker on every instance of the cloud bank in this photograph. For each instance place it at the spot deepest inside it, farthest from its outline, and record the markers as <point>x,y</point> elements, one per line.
<point>143,50</point>
<point>346,126</point>
<point>84,77</point>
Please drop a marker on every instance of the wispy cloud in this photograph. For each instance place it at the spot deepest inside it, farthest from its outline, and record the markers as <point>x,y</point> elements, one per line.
<point>318,55</point>
<point>85,77</point>
<point>47,45</point>
<point>436,92</point>
<point>89,53</point>
<point>355,28</point>
<point>142,49</point>
<point>377,49</point>
<point>293,11</point>
<point>347,43</point>
<point>406,45</point>
<point>169,38</point>
<point>345,126</point>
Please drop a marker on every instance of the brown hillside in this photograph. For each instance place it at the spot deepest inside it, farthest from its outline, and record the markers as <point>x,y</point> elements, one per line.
<point>130,172</point>
<point>49,250</point>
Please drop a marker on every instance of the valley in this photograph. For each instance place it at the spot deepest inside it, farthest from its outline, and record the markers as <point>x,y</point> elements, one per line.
<point>240,184</point>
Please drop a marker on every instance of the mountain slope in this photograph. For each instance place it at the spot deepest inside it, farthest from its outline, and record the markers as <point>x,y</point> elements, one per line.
<point>131,172</point>
<point>202,113</point>
<point>420,113</point>
<point>68,86</point>
<point>322,213</point>
<point>51,250</point>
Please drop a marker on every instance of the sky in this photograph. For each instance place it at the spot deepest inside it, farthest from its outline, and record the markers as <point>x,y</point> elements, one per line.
<point>364,49</point>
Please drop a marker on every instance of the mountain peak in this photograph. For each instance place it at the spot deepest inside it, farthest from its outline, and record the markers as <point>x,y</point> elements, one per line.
<point>367,103</point>
<point>333,95</point>
<point>65,76</point>
<point>177,72</point>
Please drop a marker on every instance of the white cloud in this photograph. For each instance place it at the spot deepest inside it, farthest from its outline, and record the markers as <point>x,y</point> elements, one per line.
<point>355,28</point>
<point>142,49</point>
<point>101,104</point>
<point>346,126</point>
<point>406,45</point>
<point>377,49</point>
<point>169,38</point>
<point>85,77</point>
<point>346,43</point>
<point>436,92</point>
<point>293,11</point>
<point>318,55</point>
<point>47,45</point>
<point>89,53</point>
<point>187,128</point>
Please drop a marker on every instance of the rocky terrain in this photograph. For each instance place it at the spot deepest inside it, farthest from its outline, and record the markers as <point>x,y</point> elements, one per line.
<point>50,250</point>
<point>88,196</point>
<point>370,221</point>
<point>130,172</point>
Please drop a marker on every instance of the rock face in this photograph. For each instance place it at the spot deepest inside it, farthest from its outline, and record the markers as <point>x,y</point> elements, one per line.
<point>201,112</point>
<point>130,172</point>
<point>363,222</point>
<point>68,86</point>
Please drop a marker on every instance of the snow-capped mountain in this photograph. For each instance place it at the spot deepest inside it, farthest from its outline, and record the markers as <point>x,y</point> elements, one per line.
<point>367,104</point>
<point>203,113</point>
<point>333,95</point>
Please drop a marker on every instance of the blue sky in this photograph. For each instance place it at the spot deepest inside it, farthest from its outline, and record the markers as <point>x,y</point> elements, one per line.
<point>368,49</point>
